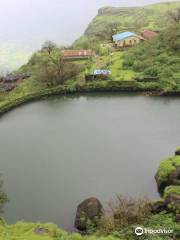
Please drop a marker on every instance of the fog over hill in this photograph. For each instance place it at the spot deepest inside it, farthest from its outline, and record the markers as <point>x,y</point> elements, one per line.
<point>26,24</point>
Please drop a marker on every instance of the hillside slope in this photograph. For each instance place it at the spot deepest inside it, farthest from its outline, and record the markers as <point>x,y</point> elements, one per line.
<point>153,16</point>
<point>157,58</point>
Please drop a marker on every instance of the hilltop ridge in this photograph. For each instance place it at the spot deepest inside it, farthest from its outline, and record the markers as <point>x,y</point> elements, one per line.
<point>152,16</point>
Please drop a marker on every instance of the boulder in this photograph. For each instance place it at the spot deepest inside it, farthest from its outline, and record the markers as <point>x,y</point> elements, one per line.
<point>90,210</point>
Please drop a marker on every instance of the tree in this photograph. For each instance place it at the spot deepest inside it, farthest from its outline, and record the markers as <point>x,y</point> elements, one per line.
<point>52,68</point>
<point>3,197</point>
<point>175,15</point>
<point>49,46</point>
<point>107,31</point>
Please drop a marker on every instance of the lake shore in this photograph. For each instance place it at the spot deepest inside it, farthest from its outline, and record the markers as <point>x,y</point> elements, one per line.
<point>99,87</point>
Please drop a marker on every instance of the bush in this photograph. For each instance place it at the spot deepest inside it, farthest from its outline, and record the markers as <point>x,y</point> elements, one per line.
<point>125,212</point>
<point>131,211</point>
<point>158,57</point>
<point>152,71</point>
<point>106,225</point>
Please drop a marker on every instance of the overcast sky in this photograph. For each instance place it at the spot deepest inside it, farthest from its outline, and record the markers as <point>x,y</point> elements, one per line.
<point>31,22</point>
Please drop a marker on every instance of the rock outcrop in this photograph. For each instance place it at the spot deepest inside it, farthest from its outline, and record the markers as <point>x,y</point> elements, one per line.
<point>168,173</point>
<point>158,206</point>
<point>168,182</point>
<point>89,211</point>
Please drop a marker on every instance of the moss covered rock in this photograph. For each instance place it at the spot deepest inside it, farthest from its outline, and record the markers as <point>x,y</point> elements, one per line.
<point>158,206</point>
<point>88,212</point>
<point>168,173</point>
<point>172,199</point>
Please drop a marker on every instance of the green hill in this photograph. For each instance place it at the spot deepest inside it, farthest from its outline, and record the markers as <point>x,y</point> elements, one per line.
<point>157,58</point>
<point>109,19</point>
<point>137,18</point>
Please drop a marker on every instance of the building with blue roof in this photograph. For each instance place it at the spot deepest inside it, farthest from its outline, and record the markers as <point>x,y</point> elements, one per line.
<point>102,72</point>
<point>126,39</point>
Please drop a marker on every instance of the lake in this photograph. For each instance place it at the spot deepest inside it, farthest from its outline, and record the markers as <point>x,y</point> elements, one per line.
<point>57,152</point>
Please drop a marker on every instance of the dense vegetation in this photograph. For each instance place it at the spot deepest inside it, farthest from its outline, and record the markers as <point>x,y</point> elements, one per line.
<point>159,58</point>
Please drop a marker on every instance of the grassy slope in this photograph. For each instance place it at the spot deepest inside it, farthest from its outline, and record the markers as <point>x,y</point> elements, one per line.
<point>134,19</point>
<point>159,58</point>
<point>113,62</point>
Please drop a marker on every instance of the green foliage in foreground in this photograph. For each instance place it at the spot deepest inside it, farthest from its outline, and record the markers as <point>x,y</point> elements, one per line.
<point>27,231</point>
<point>167,167</point>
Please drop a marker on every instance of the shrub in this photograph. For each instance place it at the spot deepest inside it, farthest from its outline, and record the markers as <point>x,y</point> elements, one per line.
<point>125,211</point>
<point>106,225</point>
<point>130,211</point>
<point>152,71</point>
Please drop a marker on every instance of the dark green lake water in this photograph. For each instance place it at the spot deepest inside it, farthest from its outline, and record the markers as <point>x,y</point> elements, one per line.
<point>57,152</point>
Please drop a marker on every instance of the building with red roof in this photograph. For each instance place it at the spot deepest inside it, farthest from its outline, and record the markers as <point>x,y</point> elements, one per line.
<point>148,34</point>
<point>78,54</point>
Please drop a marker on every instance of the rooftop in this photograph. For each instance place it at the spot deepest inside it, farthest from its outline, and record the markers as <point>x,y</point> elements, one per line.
<point>78,53</point>
<point>123,35</point>
<point>149,34</point>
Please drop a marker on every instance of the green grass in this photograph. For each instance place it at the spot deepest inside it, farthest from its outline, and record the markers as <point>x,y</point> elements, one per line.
<point>118,73</point>
<point>26,231</point>
<point>112,62</point>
